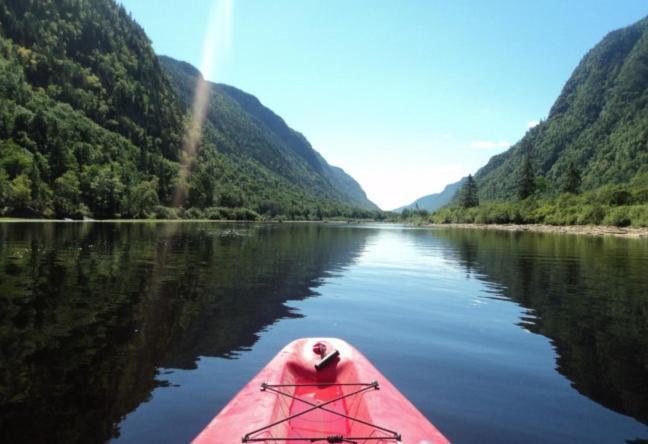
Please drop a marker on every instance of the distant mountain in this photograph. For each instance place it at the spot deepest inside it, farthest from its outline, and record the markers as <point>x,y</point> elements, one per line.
<point>433,202</point>
<point>91,124</point>
<point>599,122</point>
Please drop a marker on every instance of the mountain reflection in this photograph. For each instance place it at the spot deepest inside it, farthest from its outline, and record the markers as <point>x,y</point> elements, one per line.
<point>88,312</point>
<point>588,295</point>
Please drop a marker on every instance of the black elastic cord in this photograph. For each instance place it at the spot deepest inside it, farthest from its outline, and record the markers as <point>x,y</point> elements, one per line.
<point>330,439</point>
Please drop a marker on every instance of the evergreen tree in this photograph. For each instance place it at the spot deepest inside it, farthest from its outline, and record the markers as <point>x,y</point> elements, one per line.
<point>526,179</point>
<point>4,189</point>
<point>571,179</point>
<point>40,192</point>
<point>469,197</point>
<point>67,195</point>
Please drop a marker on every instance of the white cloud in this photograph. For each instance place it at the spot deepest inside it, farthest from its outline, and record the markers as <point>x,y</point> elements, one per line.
<point>532,123</point>
<point>489,144</point>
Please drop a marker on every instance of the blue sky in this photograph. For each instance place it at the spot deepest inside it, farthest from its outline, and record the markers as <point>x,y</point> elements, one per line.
<point>407,95</point>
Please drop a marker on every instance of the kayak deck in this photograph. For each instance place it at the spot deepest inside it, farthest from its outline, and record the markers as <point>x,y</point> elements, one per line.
<point>319,421</point>
<point>346,400</point>
<point>321,411</point>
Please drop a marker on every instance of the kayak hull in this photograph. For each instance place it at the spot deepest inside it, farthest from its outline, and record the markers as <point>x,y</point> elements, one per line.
<point>347,400</point>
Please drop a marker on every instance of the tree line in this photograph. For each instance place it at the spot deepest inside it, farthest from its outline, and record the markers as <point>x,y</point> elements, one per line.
<point>612,204</point>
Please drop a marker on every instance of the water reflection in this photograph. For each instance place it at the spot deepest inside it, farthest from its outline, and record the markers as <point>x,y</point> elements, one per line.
<point>88,312</point>
<point>588,295</point>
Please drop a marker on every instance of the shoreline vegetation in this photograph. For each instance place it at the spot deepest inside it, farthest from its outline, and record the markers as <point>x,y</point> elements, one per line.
<point>179,220</point>
<point>618,208</point>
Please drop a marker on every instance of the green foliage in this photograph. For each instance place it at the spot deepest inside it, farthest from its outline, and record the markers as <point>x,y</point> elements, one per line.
<point>19,196</point>
<point>4,189</point>
<point>60,154</point>
<point>617,216</point>
<point>468,196</point>
<point>14,159</point>
<point>142,200</point>
<point>92,124</point>
<point>161,212</point>
<point>194,213</point>
<point>41,194</point>
<point>105,190</point>
<point>572,179</point>
<point>620,205</point>
<point>67,195</point>
<point>596,132</point>
<point>595,141</point>
<point>250,158</point>
<point>526,178</point>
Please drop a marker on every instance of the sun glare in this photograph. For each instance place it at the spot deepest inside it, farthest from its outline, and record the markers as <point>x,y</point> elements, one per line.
<point>216,47</point>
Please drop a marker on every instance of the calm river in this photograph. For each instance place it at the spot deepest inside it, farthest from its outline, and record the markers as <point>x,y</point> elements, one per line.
<point>141,332</point>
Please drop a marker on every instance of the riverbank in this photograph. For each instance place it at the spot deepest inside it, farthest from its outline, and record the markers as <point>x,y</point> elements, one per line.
<point>589,230</point>
<point>223,221</point>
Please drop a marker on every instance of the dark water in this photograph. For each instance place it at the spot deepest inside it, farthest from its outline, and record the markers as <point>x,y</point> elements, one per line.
<point>141,332</point>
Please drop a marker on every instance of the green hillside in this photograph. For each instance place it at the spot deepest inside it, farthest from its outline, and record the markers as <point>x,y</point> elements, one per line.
<point>91,125</point>
<point>587,163</point>
<point>599,122</point>
<point>240,130</point>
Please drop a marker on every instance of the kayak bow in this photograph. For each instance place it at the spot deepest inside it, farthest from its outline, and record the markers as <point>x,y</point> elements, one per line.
<point>320,391</point>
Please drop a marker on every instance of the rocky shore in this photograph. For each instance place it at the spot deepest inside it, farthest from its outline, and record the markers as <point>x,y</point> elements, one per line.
<point>590,230</point>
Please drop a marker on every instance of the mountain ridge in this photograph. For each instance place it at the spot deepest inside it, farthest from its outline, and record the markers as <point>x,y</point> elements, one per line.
<point>233,113</point>
<point>599,121</point>
<point>587,163</point>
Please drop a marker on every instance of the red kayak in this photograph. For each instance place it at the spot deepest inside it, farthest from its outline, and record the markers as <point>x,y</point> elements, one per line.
<point>320,391</point>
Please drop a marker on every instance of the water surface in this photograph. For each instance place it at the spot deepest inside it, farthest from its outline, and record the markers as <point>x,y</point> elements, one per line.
<point>142,331</point>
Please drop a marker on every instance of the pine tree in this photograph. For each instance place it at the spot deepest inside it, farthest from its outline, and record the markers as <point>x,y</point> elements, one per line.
<point>526,179</point>
<point>572,179</point>
<point>469,197</point>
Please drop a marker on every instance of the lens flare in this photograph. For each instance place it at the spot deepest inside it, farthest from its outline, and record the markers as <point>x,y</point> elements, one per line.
<point>216,47</point>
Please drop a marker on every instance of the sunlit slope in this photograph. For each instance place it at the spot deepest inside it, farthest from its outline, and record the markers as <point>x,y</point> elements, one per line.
<point>90,125</point>
<point>599,121</point>
<point>242,128</point>
<point>87,114</point>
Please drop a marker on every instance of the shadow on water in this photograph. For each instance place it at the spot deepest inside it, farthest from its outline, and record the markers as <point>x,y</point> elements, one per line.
<point>587,294</point>
<point>88,312</point>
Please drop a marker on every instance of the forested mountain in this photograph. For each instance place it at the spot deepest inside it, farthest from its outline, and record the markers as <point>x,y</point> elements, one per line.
<point>294,142</point>
<point>90,125</point>
<point>599,124</point>
<point>247,133</point>
<point>587,163</point>
<point>433,202</point>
